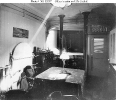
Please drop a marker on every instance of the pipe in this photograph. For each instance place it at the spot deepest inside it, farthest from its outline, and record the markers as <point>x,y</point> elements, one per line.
<point>61,32</point>
<point>30,14</point>
<point>86,14</point>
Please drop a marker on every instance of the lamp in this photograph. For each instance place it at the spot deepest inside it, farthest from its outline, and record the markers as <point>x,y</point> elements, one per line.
<point>61,4</point>
<point>64,56</point>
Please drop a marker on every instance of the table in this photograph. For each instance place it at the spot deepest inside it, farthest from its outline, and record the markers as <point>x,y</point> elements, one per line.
<point>55,73</point>
<point>75,76</point>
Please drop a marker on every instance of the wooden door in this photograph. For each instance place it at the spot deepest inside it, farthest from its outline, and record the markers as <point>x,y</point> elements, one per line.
<point>98,57</point>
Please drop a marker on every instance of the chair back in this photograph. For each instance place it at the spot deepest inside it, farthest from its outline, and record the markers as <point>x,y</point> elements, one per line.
<point>57,95</point>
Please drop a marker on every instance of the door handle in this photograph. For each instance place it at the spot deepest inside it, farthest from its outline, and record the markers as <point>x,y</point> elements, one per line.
<point>109,60</point>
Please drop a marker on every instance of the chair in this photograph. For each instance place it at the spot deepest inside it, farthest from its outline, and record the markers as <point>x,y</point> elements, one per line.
<point>57,95</point>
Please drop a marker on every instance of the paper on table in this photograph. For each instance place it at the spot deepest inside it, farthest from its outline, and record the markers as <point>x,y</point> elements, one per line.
<point>57,76</point>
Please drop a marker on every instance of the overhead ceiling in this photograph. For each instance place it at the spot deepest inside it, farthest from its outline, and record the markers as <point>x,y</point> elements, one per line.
<point>74,11</point>
<point>70,11</point>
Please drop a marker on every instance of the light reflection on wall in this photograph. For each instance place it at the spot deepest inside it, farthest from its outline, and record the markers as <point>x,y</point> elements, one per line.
<point>51,42</point>
<point>22,57</point>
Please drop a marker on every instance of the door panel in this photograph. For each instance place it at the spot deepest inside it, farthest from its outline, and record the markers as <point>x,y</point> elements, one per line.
<point>98,55</point>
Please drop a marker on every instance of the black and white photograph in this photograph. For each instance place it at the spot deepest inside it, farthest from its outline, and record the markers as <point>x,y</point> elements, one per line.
<point>57,50</point>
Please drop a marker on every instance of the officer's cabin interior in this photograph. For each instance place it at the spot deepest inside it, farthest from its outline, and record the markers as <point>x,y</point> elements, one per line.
<point>71,50</point>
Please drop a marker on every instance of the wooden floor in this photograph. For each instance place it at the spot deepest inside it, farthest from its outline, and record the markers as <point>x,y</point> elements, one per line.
<point>97,88</point>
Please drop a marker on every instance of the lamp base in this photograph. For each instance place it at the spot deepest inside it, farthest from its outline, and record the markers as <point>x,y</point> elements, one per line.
<point>65,72</point>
